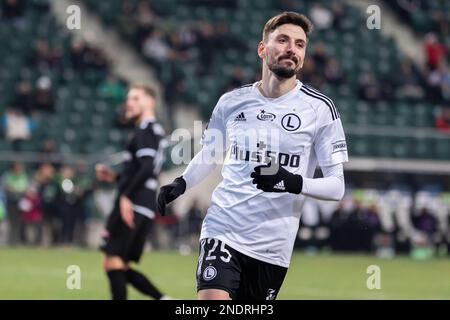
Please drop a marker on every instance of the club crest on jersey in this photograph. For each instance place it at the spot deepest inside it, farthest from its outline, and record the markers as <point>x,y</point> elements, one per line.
<point>291,122</point>
<point>266,116</point>
<point>209,273</point>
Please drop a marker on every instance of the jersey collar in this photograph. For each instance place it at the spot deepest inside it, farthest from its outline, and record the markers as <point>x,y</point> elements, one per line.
<point>144,123</point>
<point>280,98</point>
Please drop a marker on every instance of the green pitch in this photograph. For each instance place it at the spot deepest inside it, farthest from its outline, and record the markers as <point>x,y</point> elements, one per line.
<point>41,274</point>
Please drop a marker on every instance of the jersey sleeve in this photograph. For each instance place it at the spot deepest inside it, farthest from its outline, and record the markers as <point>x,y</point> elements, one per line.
<point>330,144</point>
<point>215,133</point>
<point>147,153</point>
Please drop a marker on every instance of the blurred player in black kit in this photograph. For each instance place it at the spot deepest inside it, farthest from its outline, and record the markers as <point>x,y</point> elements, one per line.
<point>128,225</point>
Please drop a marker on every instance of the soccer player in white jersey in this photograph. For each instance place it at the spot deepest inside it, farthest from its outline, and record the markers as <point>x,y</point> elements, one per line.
<point>274,133</point>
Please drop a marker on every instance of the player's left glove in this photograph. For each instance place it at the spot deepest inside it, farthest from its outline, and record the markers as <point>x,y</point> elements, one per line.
<point>281,181</point>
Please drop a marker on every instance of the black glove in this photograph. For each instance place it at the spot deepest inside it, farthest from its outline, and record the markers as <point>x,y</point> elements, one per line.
<point>281,181</point>
<point>170,192</point>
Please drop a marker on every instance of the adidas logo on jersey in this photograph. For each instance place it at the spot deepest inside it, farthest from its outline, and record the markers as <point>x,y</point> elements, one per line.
<point>240,117</point>
<point>279,185</point>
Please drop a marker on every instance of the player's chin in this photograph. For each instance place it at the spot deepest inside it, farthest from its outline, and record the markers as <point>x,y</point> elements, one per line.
<point>284,71</point>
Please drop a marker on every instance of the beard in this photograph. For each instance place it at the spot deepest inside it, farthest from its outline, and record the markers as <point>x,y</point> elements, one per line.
<point>281,70</point>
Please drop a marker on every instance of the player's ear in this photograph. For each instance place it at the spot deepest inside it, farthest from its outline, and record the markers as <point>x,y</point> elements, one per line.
<point>261,48</point>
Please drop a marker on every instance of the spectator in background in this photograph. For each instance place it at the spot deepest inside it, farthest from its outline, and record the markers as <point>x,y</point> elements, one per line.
<point>412,6</point>
<point>13,10</point>
<point>443,120</point>
<point>369,88</point>
<point>68,203</point>
<point>146,20</point>
<point>96,59</point>
<point>112,89</point>
<point>439,24</point>
<point>77,54</point>
<point>24,97</point>
<point>309,74</point>
<point>333,72</point>
<point>186,36</point>
<point>408,82</point>
<point>371,225</point>
<point>340,19</point>
<point>179,48</point>
<point>321,16</point>
<point>445,82</point>
<point>83,189</point>
<point>41,56</point>
<point>436,81</point>
<point>3,218</point>
<point>206,40</point>
<point>224,38</point>
<point>425,223</point>
<point>195,217</point>
<point>44,97</point>
<point>127,21</point>
<point>156,48</point>
<point>339,224</point>
<point>320,57</point>
<point>435,51</point>
<point>237,79</point>
<point>48,193</point>
<point>51,153</point>
<point>31,216</point>
<point>17,127</point>
<point>15,182</point>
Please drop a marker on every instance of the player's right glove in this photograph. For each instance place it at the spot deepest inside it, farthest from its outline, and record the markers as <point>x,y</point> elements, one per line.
<point>170,192</point>
<point>280,181</point>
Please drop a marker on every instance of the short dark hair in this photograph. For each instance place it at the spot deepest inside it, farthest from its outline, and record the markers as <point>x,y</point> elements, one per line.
<point>288,17</point>
<point>149,90</point>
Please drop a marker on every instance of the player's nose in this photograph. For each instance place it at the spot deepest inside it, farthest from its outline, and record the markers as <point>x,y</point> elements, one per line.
<point>290,47</point>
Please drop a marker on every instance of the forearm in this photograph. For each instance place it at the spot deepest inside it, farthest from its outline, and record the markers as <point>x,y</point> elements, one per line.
<point>330,187</point>
<point>199,168</point>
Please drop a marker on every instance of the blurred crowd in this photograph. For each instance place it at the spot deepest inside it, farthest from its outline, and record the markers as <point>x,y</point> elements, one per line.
<point>383,223</point>
<point>198,43</point>
<point>60,205</point>
<point>47,205</point>
<point>167,47</point>
<point>48,64</point>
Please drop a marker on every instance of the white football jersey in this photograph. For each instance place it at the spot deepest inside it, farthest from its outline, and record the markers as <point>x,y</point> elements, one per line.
<point>298,130</point>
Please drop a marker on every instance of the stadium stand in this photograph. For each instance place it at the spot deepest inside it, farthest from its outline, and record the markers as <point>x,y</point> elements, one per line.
<point>373,84</point>
<point>59,82</point>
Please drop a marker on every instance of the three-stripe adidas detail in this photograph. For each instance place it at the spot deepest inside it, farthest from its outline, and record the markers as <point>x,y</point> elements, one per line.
<point>318,95</point>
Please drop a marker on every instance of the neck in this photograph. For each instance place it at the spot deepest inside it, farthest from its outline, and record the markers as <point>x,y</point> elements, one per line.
<point>273,86</point>
<point>146,116</point>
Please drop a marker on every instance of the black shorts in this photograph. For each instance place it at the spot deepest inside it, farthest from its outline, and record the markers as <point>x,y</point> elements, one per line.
<point>244,278</point>
<point>120,240</point>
